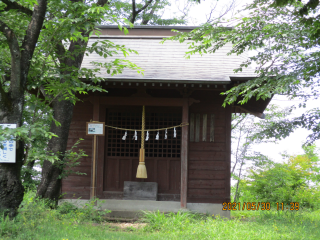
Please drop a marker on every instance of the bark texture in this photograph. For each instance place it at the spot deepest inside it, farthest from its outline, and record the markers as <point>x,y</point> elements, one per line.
<point>11,189</point>
<point>50,181</point>
<point>12,102</point>
<point>50,185</point>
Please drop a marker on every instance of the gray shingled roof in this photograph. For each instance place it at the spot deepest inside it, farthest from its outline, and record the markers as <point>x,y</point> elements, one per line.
<point>166,62</point>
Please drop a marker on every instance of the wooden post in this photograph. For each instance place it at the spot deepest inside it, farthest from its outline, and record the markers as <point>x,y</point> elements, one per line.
<point>93,182</point>
<point>228,151</point>
<point>93,188</point>
<point>184,154</point>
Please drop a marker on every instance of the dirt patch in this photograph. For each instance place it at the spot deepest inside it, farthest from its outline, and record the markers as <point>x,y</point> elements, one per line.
<point>124,225</point>
<point>121,225</point>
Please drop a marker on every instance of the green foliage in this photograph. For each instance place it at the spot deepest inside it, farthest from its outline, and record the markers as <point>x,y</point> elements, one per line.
<point>275,184</point>
<point>31,183</point>
<point>246,132</point>
<point>37,221</point>
<point>87,213</point>
<point>255,225</point>
<point>71,159</point>
<point>171,221</point>
<point>284,51</point>
<point>294,181</point>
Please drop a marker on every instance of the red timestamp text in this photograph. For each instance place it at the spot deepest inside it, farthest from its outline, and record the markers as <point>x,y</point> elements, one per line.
<point>253,206</point>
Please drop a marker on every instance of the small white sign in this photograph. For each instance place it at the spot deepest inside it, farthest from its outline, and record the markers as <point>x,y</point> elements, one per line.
<point>95,129</point>
<point>8,153</point>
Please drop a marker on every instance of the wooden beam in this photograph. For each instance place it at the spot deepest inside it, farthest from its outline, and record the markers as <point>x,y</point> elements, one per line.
<point>184,154</point>
<point>100,155</point>
<point>254,113</point>
<point>93,192</point>
<point>228,152</point>
<point>140,101</point>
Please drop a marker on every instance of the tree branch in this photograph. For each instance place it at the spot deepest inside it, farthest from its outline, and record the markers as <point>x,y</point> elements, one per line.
<point>103,2</point>
<point>136,12</point>
<point>144,7</point>
<point>31,38</point>
<point>4,98</point>
<point>14,5</point>
<point>15,57</point>
<point>149,16</point>
<point>133,17</point>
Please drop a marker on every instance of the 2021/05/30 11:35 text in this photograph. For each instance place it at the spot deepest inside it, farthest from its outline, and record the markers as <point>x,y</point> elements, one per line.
<point>255,206</point>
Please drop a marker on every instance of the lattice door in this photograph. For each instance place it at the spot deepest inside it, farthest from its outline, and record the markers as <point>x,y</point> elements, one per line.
<point>162,156</point>
<point>169,147</point>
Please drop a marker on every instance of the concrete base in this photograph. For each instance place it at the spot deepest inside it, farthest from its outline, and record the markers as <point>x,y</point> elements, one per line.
<point>132,208</point>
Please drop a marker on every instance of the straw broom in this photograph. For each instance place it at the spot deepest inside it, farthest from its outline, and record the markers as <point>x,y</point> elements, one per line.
<point>142,171</point>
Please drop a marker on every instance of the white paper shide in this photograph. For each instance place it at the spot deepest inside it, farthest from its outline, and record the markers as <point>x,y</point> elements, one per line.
<point>8,152</point>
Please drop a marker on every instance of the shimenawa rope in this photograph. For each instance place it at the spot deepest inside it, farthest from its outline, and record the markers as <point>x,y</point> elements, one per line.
<point>127,129</point>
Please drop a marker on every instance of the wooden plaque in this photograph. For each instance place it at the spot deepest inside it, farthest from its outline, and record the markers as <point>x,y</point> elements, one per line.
<point>95,128</point>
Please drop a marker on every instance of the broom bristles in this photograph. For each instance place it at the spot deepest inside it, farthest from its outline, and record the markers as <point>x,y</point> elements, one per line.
<point>142,170</point>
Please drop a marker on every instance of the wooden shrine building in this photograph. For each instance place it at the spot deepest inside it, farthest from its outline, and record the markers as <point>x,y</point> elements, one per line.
<point>192,169</point>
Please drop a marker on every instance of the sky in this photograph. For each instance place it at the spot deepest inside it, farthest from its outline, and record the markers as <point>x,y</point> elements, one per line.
<point>199,13</point>
<point>292,144</point>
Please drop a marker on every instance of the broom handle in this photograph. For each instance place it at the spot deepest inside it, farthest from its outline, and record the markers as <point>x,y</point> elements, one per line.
<point>143,126</point>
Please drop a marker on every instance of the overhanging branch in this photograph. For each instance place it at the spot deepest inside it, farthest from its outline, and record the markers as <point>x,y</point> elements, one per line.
<point>136,12</point>
<point>31,38</point>
<point>14,5</point>
<point>13,43</point>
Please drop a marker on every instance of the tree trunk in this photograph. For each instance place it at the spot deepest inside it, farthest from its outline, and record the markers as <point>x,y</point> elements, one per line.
<point>50,184</point>
<point>11,189</point>
<point>12,101</point>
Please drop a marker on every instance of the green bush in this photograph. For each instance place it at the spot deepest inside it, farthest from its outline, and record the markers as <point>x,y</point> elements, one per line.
<point>35,213</point>
<point>88,213</point>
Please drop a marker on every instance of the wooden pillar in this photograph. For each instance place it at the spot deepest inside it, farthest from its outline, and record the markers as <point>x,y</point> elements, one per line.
<point>184,154</point>
<point>100,154</point>
<point>228,151</point>
<point>96,108</point>
<point>95,145</point>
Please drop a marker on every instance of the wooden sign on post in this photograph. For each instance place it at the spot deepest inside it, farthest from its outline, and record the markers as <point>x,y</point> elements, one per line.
<point>95,129</point>
<point>8,152</point>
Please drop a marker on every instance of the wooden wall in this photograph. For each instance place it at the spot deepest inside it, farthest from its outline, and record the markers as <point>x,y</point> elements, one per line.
<point>76,186</point>
<point>209,162</point>
<point>208,165</point>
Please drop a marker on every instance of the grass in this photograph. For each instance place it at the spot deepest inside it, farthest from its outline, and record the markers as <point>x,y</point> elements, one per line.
<point>37,221</point>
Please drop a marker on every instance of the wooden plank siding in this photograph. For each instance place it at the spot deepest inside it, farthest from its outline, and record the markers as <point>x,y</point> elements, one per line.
<point>165,171</point>
<point>208,165</point>
<point>208,169</point>
<point>75,186</point>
